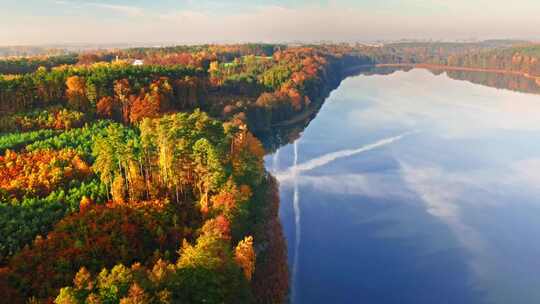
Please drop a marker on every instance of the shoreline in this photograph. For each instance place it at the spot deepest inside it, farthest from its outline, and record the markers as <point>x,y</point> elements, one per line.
<point>319,100</point>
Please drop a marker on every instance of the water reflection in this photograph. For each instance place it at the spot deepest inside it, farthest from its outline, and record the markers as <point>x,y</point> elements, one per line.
<point>496,80</point>
<point>414,188</point>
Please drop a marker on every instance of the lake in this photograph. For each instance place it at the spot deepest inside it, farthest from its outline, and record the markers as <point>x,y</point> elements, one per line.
<point>415,187</point>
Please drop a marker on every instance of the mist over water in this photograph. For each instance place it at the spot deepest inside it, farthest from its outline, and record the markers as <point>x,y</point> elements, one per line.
<point>415,188</point>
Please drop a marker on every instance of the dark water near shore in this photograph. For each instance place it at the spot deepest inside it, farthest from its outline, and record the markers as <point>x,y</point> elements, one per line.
<point>415,188</point>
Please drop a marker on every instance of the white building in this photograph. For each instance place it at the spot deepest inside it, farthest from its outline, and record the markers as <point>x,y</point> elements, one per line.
<point>138,62</point>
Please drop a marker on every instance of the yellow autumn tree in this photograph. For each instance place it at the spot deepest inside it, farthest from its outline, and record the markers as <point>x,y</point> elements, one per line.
<point>85,203</point>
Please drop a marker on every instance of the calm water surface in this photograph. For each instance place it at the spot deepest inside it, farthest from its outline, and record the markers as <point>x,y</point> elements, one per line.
<point>414,188</point>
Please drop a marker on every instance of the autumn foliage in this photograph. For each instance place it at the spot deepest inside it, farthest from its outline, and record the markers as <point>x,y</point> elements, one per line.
<point>39,172</point>
<point>97,237</point>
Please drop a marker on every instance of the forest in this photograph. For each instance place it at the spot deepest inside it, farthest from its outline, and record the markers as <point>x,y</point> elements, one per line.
<point>145,184</point>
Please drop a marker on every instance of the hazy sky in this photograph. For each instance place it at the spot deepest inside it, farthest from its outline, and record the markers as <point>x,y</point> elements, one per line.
<point>192,21</point>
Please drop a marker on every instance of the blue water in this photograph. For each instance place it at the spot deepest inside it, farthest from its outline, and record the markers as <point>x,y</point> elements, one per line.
<point>414,188</point>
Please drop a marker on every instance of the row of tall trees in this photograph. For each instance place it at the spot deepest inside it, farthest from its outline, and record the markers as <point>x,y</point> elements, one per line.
<point>183,157</point>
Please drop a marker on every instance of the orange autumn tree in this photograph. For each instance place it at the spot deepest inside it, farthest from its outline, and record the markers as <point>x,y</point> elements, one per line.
<point>152,103</point>
<point>229,201</point>
<point>76,93</point>
<point>247,153</point>
<point>105,107</point>
<point>244,256</point>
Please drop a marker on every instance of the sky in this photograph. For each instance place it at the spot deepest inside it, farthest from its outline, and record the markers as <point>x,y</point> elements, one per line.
<point>24,22</point>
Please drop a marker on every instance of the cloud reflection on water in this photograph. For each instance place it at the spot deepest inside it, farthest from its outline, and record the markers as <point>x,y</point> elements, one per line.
<point>450,108</point>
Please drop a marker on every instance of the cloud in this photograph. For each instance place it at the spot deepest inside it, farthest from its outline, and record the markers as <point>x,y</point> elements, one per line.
<point>128,10</point>
<point>132,11</point>
<point>341,21</point>
<point>213,21</point>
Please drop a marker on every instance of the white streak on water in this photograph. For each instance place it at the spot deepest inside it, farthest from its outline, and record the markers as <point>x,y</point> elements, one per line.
<point>275,161</point>
<point>296,208</point>
<point>293,171</point>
